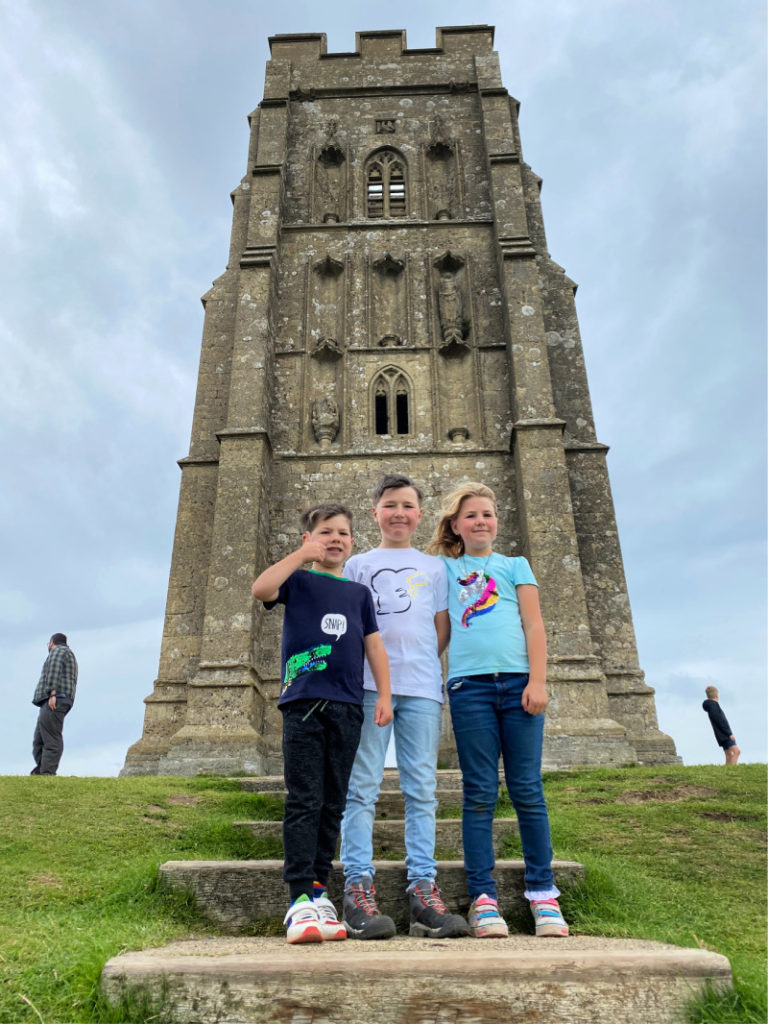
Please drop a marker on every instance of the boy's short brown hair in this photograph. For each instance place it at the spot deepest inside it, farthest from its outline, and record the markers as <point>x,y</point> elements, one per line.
<point>319,513</point>
<point>392,482</point>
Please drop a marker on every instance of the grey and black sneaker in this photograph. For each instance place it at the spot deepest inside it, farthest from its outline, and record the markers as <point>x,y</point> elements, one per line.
<point>361,916</point>
<point>429,915</point>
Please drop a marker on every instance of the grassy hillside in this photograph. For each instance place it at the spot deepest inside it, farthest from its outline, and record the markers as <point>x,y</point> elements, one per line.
<point>675,854</point>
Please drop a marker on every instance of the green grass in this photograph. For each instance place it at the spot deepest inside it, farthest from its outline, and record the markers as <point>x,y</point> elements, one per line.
<point>677,855</point>
<point>674,854</point>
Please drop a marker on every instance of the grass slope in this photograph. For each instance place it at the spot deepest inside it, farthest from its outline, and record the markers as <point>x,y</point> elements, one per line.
<point>675,854</point>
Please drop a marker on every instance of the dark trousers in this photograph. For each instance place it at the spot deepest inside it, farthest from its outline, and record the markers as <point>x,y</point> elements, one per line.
<point>47,743</point>
<point>320,740</point>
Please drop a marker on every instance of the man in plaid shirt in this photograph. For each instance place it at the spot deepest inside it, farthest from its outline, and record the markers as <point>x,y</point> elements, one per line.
<point>55,695</point>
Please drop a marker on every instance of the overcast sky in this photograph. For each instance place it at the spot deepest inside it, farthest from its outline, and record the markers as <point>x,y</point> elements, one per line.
<point>122,132</point>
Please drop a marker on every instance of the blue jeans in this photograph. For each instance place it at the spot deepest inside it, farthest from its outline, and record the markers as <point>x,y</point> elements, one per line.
<point>488,719</point>
<point>416,725</point>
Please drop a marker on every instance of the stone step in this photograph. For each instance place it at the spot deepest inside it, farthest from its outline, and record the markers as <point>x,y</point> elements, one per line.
<point>391,803</point>
<point>447,778</point>
<point>238,894</point>
<point>388,834</point>
<point>578,980</point>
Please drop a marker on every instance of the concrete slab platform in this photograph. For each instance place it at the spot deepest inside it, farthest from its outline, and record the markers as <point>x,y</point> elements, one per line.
<point>519,980</point>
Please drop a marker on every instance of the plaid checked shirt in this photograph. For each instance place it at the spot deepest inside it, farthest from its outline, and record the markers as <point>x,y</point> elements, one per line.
<point>59,674</point>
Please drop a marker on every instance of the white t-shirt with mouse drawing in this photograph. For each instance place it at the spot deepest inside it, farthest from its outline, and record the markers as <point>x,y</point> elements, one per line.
<point>408,589</point>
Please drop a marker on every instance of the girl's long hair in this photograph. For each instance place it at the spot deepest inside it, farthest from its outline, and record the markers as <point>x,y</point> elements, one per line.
<point>444,541</point>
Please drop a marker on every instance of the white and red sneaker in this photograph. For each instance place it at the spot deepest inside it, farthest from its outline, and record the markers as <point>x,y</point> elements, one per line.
<point>303,921</point>
<point>331,927</point>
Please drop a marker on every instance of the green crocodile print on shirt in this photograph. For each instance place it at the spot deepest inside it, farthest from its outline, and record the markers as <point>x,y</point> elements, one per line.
<point>306,661</point>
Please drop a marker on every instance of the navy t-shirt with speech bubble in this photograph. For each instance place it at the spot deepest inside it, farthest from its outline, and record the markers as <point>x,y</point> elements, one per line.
<point>326,621</point>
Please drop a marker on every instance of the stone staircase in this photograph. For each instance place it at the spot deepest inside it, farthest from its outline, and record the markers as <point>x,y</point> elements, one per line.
<point>242,979</point>
<point>389,825</point>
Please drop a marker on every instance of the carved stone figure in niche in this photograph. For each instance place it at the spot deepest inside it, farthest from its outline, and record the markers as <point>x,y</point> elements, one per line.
<point>454,323</point>
<point>325,421</point>
<point>328,349</point>
<point>330,177</point>
<point>451,312</point>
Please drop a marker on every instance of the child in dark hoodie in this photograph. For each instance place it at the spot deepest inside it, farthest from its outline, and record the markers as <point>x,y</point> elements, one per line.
<point>720,726</point>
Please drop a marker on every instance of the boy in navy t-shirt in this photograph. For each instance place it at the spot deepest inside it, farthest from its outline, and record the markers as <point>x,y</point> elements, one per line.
<point>328,630</point>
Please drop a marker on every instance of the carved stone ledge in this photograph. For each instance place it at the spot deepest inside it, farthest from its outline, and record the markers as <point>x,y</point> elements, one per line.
<point>458,434</point>
<point>514,248</point>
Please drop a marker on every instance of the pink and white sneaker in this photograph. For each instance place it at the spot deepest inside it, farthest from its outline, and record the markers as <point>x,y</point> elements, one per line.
<point>550,922</point>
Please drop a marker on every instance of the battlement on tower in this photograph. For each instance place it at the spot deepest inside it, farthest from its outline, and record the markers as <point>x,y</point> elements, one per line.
<point>301,67</point>
<point>467,40</point>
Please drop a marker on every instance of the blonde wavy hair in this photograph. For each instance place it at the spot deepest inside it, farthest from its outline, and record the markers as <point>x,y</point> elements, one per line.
<point>444,541</point>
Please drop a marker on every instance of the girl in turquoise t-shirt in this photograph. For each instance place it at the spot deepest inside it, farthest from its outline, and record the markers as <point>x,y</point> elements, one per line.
<point>497,693</point>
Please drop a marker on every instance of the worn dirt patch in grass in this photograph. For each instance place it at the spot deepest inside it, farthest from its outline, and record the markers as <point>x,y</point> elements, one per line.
<point>183,798</point>
<point>727,816</point>
<point>44,881</point>
<point>670,796</point>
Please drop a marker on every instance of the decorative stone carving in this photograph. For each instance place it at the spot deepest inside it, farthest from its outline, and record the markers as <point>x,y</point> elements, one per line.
<point>330,177</point>
<point>328,349</point>
<point>451,315</point>
<point>440,147</point>
<point>388,266</point>
<point>449,263</point>
<point>442,175</point>
<point>325,421</point>
<point>454,325</point>
<point>391,341</point>
<point>328,267</point>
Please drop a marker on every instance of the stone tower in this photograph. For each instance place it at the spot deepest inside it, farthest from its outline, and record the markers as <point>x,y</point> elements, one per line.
<point>389,304</point>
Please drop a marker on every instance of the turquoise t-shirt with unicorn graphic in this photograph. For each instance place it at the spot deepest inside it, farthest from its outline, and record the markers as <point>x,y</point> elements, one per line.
<point>486,629</point>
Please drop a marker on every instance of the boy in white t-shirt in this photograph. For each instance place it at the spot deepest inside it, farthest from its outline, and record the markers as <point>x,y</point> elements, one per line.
<point>410,597</point>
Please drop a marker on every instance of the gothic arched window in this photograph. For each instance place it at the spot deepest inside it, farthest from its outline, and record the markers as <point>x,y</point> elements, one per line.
<point>385,185</point>
<point>391,402</point>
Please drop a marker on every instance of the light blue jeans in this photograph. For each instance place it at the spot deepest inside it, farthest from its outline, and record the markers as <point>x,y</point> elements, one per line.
<point>416,725</point>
